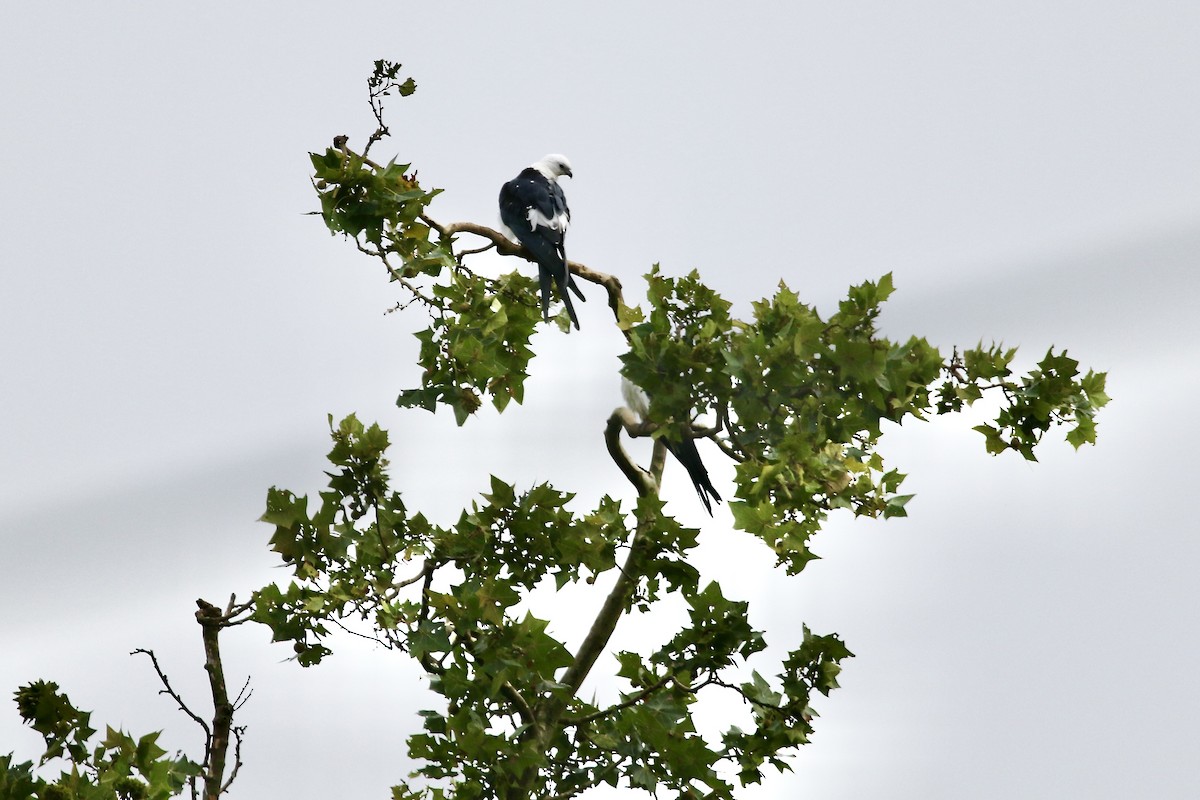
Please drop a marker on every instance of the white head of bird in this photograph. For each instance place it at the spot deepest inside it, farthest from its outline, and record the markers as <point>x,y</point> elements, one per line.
<point>554,165</point>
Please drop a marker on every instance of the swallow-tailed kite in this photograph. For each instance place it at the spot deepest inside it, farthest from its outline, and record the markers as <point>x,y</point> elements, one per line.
<point>684,450</point>
<point>534,209</point>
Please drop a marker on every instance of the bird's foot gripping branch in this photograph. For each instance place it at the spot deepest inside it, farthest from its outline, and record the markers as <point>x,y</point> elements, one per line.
<point>798,401</point>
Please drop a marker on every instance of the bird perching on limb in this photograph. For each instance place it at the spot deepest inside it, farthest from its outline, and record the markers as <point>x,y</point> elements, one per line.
<point>534,209</point>
<point>684,449</point>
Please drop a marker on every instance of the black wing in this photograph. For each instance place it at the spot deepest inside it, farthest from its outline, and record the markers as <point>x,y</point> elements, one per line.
<point>532,190</point>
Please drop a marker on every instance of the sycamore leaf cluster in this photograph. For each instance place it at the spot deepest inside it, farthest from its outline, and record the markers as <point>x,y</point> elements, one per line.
<point>477,343</point>
<point>118,767</point>
<point>800,401</point>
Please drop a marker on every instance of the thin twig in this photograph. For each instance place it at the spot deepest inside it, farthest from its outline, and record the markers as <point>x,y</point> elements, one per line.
<point>463,253</point>
<point>729,451</point>
<point>397,276</point>
<point>234,610</point>
<point>243,696</point>
<point>341,626</point>
<point>238,730</point>
<point>167,690</point>
<point>632,701</point>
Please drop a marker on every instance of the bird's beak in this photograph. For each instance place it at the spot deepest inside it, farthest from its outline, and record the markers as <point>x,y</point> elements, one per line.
<point>568,173</point>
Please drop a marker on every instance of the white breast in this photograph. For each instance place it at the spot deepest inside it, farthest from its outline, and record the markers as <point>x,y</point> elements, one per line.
<point>635,399</point>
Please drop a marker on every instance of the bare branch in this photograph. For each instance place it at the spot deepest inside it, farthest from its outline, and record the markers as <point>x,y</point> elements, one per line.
<point>238,730</point>
<point>211,621</point>
<point>243,696</point>
<point>635,429</point>
<point>507,247</point>
<point>234,610</point>
<point>167,690</point>
<point>426,570</point>
<point>396,276</point>
<point>463,253</point>
<point>342,627</point>
<point>646,483</point>
<point>624,418</point>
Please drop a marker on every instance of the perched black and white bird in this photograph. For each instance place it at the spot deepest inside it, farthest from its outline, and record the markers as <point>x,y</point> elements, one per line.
<point>684,450</point>
<point>534,209</point>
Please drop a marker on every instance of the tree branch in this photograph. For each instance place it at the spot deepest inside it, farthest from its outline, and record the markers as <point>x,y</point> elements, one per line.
<point>609,614</point>
<point>632,701</point>
<point>658,460</point>
<point>727,450</point>
<point>238,730</point>
<point>504,246</point>
<point>523,708</point>
<point>620,418</point>
<point>746,698</point>
<point>427,569</point>
<point>211,621</point>
<point>234,610</point>
<point>167,690</point>
<point>507,247</point>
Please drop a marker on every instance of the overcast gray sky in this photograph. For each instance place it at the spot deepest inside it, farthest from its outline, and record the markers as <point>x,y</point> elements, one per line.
<point>175,330</point>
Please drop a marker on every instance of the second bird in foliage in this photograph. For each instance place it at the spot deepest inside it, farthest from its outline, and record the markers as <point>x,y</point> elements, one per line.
<point>534,209</point>
<point>684,450</point>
